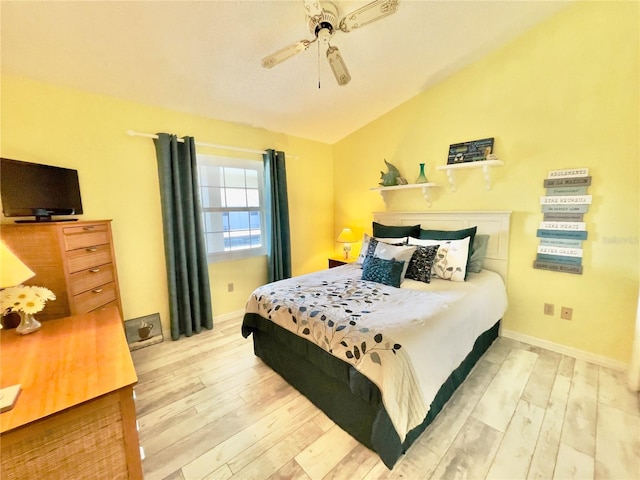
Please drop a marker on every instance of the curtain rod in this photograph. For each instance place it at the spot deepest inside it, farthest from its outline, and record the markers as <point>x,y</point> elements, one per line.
<point>132,133</point>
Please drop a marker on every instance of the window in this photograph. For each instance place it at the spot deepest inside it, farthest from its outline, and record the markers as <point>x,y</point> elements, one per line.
<point>232,207</point>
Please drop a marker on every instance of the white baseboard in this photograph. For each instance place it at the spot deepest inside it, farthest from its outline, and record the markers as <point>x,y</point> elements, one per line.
<point>564,350</point>
<point>228,316</point>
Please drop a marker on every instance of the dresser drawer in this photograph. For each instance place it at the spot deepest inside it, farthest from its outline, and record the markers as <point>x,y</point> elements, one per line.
<point>88,257</point>
<point>94,277</point>
<point>108,305</point>
<point>95,298</point>
<point>85,236</point>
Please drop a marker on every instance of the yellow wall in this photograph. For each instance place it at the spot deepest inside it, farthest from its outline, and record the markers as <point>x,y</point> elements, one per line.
<point>563,95</point>
<point>118,179</point>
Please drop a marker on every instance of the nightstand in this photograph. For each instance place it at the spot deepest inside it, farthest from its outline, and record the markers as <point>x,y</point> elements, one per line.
<point>336,262</point>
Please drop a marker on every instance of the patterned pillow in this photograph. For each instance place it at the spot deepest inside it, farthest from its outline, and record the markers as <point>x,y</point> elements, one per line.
<point>452,235</point>
<point>387,272</point>
<point>422,263</point>
<point>369,245</point>
<point>451,259</point>
<point>386,251</point>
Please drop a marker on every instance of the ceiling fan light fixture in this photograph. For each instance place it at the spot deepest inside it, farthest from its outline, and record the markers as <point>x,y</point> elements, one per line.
<point>324,35</point>
<point>322,20</point>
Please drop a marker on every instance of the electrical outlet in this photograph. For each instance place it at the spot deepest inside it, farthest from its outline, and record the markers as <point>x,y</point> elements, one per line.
<point>566,313</point>
<point>229,287</point>
<point>548,308</point>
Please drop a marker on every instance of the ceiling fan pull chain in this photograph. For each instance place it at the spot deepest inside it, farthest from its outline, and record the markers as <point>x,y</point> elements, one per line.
<point>318,65</point>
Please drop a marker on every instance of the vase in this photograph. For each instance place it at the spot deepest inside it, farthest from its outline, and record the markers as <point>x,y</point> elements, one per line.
<point>422,178</point>
<point>28,324</point>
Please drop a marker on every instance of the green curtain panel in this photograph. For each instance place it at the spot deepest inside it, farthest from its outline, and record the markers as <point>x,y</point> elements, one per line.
<point>184,243</point>
<point>277,204</point>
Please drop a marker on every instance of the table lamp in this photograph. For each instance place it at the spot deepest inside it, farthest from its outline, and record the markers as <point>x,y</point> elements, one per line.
<point>12,272</point>
<point>346,237</point>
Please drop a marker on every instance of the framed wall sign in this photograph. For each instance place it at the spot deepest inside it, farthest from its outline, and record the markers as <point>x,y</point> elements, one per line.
<point>473,151</point>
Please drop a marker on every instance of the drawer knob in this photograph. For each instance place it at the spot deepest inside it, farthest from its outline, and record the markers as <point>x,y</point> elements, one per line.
<point>91,249</point>
<point>96,290</point>
<point>94,270</point>
<point>88,228</point>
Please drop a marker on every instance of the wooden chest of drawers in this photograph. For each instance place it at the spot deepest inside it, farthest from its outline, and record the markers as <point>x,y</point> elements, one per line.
<point>75,260</point>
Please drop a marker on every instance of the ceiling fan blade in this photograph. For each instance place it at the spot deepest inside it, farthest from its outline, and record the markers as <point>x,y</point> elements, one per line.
<point>285,53</point>
<point>313,8</point>
<point>369,13</point>
<point>338,66</point>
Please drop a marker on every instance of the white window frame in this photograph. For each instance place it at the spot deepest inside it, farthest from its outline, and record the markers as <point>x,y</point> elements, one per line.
<point>231,162</point>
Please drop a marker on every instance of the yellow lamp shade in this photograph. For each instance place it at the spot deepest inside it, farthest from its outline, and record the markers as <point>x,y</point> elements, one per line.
<point>12,271</point>
<point>347,236</point>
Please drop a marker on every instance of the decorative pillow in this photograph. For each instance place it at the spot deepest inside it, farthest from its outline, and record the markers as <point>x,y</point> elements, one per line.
<point>392,231</point>
<point>451,259</point>
<point>421,263</point>
<point>387,251</point>
<point>388,272</point>
<point>451,235</point>
<point>367,247</point>
<point>364,249</point>
<point>478,252</point>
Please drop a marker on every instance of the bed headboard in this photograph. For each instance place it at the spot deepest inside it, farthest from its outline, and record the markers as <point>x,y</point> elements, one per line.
<point>492,223</point>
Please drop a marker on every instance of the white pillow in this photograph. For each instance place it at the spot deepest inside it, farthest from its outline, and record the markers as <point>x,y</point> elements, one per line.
<point>397,253</point>
<point>451,259</point>
<point>365,245</point>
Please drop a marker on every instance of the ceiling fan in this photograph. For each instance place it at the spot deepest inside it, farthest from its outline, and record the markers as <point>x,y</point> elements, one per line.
<point>322,20</point>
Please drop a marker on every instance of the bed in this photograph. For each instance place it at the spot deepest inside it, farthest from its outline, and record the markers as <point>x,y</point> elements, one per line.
<point>382,361</point>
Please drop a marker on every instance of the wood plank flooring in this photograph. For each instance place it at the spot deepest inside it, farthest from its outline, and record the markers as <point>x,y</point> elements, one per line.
<point>209,409</point>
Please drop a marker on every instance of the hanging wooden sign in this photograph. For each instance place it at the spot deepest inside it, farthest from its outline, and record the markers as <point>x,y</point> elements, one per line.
<point>561,242</point>
<point>564,182</point>
<point>563,217</point>
<point>566,200</point>
<point>558,267</point>
<point>563,229</point>
<point>555,191</point>
<point>583,208</point>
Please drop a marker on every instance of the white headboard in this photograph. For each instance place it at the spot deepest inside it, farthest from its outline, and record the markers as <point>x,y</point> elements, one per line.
<point>495,224</point>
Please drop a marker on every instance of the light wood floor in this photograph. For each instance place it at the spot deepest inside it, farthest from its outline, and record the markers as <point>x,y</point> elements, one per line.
<point>208,408</point>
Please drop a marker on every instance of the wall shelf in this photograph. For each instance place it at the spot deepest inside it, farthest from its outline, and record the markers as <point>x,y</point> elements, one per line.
<point>424,186</point>
<point>485,165</point>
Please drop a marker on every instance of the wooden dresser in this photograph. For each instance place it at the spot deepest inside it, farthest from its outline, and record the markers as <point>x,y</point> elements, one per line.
<point>75,260</point>
<point>75,416</point>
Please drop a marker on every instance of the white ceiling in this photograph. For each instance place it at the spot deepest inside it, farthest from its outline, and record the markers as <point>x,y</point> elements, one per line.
<point>204,57</point>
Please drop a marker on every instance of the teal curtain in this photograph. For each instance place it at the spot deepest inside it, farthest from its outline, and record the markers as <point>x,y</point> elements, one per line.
<point>184,243</point>
<point>277,206</point>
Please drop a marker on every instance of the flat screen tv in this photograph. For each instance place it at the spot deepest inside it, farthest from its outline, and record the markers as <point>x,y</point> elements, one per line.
<point>31,189</point>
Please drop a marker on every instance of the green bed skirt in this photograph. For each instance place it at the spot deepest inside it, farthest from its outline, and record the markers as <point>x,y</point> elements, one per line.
<point>350,399</point>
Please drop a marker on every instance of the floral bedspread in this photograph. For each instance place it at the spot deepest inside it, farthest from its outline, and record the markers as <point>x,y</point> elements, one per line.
<point>405,340</point>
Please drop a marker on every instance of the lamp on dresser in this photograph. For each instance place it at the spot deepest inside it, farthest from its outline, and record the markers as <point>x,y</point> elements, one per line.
<point>12,272</point>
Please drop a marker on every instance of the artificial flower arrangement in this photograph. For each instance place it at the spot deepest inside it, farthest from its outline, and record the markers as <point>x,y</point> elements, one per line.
<point>25,298</point>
